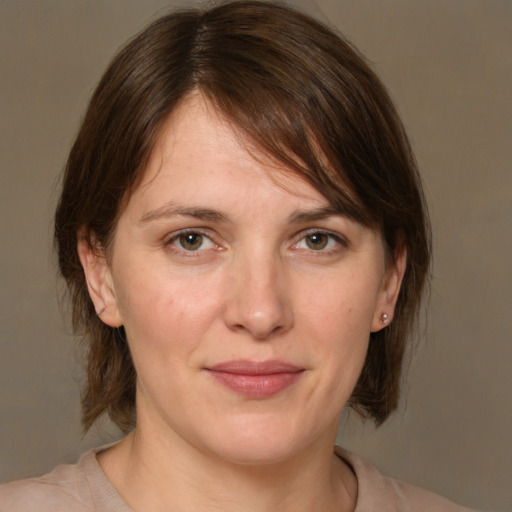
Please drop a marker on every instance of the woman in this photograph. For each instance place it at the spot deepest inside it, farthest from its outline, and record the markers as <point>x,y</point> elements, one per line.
<point>243,233</point>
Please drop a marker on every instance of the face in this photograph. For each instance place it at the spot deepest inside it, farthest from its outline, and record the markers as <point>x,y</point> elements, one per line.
<point>247,302</point>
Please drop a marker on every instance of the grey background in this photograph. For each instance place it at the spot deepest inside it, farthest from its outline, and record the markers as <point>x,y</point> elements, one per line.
<point>448,65</point>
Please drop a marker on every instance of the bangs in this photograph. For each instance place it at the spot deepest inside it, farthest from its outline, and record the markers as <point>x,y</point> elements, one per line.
<point>290,142</point>
<point>299,96</point>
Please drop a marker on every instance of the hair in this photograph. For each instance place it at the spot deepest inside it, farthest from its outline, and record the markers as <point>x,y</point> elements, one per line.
<point>304,96</point>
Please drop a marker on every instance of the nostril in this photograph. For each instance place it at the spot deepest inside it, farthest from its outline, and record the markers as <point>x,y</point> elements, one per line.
<point>260,324</point>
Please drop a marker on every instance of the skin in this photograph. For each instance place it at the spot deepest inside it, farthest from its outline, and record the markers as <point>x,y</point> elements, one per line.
<point>260,277</point>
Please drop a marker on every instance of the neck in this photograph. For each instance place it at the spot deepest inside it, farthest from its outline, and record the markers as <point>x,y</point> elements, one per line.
<point>155,473</point>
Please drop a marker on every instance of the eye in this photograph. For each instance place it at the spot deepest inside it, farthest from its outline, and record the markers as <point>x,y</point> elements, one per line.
<point>191,241</point>
<point>319,241</point>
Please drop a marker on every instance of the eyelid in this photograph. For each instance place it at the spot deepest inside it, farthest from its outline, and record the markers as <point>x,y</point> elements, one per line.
<point>338,237</point>
<point>175,235</point>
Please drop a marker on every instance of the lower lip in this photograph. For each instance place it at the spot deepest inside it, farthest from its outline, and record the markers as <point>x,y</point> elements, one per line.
<point>256,386</point>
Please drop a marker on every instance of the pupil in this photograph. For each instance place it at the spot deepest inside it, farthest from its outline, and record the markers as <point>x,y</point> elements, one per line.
<point>317,241</point>
<point>191,241</point>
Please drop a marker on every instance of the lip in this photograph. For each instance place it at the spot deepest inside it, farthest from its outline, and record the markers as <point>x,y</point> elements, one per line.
<point>256,379</point>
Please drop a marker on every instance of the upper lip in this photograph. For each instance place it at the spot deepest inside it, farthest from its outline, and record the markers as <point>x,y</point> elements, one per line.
<point>247,367</point>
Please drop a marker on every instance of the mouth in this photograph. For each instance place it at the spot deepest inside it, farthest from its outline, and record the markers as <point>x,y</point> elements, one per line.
<point>256,380</point>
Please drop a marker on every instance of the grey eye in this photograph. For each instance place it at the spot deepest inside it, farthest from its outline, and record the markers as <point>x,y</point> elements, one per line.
<point>191,241</point>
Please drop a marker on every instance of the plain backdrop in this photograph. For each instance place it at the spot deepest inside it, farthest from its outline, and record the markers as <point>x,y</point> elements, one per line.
<point>448,66</point>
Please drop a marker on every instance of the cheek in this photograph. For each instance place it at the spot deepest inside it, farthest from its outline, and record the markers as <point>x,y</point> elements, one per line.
<point>341,303</point>
<point>337,319</point>
<point>162,312</point>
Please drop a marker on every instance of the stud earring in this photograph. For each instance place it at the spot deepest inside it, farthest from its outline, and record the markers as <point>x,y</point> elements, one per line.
<point>384,318</point>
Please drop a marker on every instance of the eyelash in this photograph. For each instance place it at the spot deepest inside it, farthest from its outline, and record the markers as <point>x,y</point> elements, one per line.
<point>338,240</point>
<point>332,237</point>
<point>170,242</point>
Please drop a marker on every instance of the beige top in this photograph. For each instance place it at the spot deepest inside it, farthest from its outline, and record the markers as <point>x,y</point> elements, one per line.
<point>83,487</point>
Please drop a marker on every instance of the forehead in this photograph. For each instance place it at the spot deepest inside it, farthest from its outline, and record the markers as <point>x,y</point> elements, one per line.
<point>198,147</point>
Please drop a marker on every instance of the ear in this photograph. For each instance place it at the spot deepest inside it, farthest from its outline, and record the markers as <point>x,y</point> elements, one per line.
<point>390,290</point>
<point>99,281</point>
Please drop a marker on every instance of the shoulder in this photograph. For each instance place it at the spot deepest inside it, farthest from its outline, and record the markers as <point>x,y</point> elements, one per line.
<point>39,494</point>
<point>377,492</point>
<point>61,490</point>
<point>410,497</point>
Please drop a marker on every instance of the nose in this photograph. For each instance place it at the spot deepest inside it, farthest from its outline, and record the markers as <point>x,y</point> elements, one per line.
<point>259,298</point>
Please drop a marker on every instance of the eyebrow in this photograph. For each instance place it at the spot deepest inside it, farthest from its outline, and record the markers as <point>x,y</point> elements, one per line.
<point>170,210</point>
<point>304,216</point>
<point>208,214</point>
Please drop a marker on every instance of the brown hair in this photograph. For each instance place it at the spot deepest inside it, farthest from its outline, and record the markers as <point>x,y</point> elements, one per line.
<point>301,93</point>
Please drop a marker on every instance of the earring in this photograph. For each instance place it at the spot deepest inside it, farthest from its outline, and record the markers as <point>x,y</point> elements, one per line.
<point>99,313</point>
<point>384,318</point>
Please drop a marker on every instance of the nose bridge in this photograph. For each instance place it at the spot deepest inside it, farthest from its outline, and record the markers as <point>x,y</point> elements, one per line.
<point>259,302</point>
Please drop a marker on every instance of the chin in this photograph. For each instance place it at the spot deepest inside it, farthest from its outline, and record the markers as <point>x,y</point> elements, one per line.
<point>262,442</point>
<point>254,453</point>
